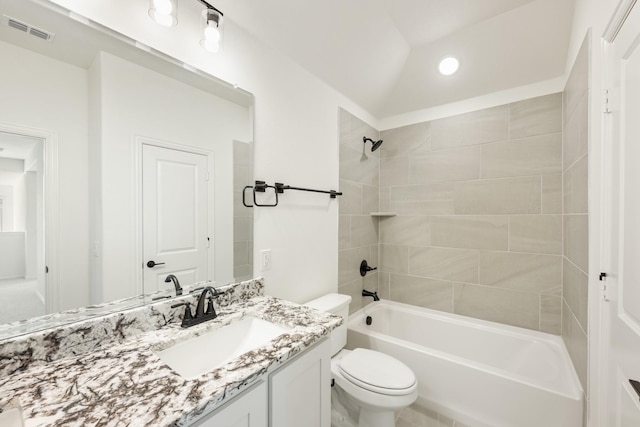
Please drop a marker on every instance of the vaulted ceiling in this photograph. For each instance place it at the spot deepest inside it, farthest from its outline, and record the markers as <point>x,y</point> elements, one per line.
<point>383,54</point>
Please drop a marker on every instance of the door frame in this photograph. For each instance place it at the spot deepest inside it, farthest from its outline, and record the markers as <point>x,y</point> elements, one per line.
<point>139,142</point>
<point>606,182</point>
<point>51,207</point>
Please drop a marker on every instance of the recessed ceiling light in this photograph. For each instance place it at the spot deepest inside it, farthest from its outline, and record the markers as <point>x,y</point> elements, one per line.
<point>448,66</point>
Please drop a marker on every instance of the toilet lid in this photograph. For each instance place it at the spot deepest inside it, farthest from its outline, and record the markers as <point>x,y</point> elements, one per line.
<point>376,371</point>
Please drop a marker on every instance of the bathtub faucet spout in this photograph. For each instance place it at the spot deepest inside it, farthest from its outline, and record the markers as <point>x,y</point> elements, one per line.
<point>366,293</point>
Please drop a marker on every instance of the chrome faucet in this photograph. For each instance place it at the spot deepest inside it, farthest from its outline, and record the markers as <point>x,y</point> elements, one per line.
<point>176,283</point>
<point>189,319</point>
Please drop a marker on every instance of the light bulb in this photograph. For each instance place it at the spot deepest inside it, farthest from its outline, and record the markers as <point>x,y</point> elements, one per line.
<point>164,12</point>
<point>211,33</point>
<point>163,7</point>
<point>210,46</point>
<point>448,66</point>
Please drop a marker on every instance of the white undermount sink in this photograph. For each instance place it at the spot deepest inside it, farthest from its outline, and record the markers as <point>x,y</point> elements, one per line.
<point>197,356</point>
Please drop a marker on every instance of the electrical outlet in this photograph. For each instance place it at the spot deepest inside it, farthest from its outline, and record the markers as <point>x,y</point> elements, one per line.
<point>265,260</point>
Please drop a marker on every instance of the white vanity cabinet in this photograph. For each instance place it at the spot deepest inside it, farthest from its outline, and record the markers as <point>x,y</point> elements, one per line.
<point>300,391</point>
<point>246,410</point>
<point>298,394</point>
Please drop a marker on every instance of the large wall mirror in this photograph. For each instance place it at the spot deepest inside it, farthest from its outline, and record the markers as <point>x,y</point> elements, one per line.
<point>118,167</point>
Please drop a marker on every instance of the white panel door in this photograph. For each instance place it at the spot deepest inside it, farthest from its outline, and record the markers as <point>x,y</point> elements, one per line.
<point>621,307</point>
<point>175,214</point>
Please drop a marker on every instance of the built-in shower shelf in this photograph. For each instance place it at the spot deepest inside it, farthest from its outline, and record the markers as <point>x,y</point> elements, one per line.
<point>384,214</point>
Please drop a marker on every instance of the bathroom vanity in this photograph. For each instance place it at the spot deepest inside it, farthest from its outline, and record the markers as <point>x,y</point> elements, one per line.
<point>294,395</point>
<point>123,379</point>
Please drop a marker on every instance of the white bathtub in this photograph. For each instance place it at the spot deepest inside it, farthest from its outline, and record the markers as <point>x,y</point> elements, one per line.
<point>476,372</point>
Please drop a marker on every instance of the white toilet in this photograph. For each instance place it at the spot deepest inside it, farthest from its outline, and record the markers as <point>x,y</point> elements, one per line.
<point>369,385</point>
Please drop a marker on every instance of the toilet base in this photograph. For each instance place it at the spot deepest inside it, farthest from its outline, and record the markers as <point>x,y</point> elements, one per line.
<point>346,412</point>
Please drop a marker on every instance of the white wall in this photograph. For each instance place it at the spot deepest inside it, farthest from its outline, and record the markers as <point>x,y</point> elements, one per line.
<point>137,102</point>
<point>296,138</point>
<point>12,255</point>
<point>56,101</point>
<point>6,193</point>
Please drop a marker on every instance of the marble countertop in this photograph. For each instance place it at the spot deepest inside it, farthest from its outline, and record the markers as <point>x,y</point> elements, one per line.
<point>127,384</point>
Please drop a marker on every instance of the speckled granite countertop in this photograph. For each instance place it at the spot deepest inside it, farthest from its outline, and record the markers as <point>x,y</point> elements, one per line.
<point>126,384</point>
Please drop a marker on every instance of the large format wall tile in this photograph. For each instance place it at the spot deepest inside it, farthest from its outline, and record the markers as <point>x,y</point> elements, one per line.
<point>405,140</point>
<point>459,265</point>
<point>354,168</point>
<point>552,194</point>
<point>576,240</point>
<point>499,196</point>
<point>536,116</point>
<point>551,314</point>
<point>577,344</point>
<point>525,272</point>
<point>575,213</point>
<point>351,200</point>
<point>428,199</point>
<point>576,187</point>
<point>405,230</point>
<point>448,165</point>
<point>364,230</point>
<point>497,305</point>
<point>429,293</point>
<point>352,129</point>
<point>535,155</point>
<point>536,233</point>
<point>575,291</point>
<point>575,139</point>
<point>470,232</point>
<point>349,262</point>
<point>394,259</point>
<point>394,171</point>
<point>578,82</point>
<point>478,127</point>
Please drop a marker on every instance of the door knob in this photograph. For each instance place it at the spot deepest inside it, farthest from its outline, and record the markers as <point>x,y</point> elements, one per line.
<point>152,263</point>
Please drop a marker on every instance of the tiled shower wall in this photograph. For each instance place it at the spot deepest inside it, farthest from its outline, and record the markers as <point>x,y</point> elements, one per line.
<point>358,231</point>
<point>576,219</point>
<point>478,199</point>
<point>479,204</point>
<point>242,217</point>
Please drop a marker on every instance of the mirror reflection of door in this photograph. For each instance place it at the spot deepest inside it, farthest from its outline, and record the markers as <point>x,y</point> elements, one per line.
<point>22,275</point>
<point>175,212</point>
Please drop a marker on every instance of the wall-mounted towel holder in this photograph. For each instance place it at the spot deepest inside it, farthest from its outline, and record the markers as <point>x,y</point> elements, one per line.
<point>279,188</point>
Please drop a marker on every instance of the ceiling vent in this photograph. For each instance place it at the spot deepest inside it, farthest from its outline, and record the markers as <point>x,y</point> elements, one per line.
<point>26,28</point>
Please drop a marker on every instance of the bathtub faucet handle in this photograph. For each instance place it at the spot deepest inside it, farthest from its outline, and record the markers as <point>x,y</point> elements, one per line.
<point>365,268</point>
<point>366,293</point>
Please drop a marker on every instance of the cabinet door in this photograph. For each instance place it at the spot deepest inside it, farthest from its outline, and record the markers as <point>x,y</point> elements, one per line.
<point>247,410</point>
<point>300,391</point>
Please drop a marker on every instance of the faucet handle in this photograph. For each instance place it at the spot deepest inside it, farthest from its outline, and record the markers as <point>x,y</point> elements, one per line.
<point>188,315</point>
<point>210,308</point>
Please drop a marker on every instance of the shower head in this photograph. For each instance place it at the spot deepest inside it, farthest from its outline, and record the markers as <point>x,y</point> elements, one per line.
<point>376,144</point>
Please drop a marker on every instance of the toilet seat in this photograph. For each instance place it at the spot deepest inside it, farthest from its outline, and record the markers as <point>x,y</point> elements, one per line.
<point>377,372</point>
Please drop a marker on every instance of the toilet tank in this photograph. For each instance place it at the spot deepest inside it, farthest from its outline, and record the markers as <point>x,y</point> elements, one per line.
<point>337,304</point>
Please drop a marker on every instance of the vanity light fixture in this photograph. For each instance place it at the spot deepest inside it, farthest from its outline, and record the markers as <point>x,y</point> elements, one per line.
<point>448,66</point>
<point>165,12</point>
<point>211,24</point>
